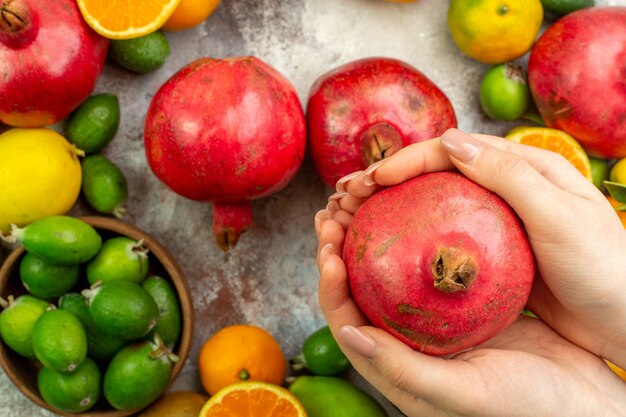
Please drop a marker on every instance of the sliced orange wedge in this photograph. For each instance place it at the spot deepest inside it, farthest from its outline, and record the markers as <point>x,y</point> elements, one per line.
<point>253,399</point>
<point>556,141</point>
<point>124,19</point>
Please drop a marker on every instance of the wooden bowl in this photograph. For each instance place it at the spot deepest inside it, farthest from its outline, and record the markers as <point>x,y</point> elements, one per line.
<point>23,372</point>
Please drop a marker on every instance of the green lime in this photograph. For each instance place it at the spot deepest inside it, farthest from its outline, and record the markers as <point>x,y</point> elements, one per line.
<point>321,355</point>
<point>122,309</point>
<point>143,54</point>
<point>504,92</point>
<point>618,172</point>
<point>599,172</point>
<point>104,185</point>
<point>59,341</point>
<point>71,393</point>
<point>325,396</point>
<point>99,346</point>
<point>119,258</point>
<point>563,7</point>
<point>138,375</point>
<point>92,126</point>
<point>17,321</point>
<point>58,240</point>
<point>169,321</point>
<point>47,281</point>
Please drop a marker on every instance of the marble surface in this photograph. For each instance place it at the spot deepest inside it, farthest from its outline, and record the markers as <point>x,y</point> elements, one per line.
<point>270,278</point>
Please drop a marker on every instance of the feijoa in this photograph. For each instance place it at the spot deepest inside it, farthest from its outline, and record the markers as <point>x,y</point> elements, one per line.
<point>59,341</point>
<point>169,322</point>
<point>321,355</point>
<point>92,126</point>
<point>71,393</point>
<point>120,258</point>
<point>17,321</point>
<point>504,92</point>
<point>104,185</point>
<point>45,280</point>
<point>563,7</point>
<point>143,54</point>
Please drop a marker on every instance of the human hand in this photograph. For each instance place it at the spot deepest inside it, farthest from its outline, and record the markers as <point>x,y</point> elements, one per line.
<point>576,236</point>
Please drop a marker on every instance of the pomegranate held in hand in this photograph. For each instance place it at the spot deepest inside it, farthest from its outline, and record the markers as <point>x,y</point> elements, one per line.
<point>439,262</point>
<point>577,75</point>
<point>366,110</point>
<point>227,131</point>
<point>50,60</point>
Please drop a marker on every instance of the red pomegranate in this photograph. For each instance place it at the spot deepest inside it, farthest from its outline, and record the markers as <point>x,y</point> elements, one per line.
<point>366,110</point>
<point>227,131</point>
<point>577,75</point>
<point>440,262</point>
<point>50,60</point>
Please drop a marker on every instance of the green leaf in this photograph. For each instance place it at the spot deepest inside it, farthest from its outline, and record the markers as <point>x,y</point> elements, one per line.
<point>618,192</point>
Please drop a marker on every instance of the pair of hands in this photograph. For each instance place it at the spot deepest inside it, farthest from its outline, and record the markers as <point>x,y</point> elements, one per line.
<point>548,367</point>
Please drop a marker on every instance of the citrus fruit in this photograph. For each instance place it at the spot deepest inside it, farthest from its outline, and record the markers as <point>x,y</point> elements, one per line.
<point>169,322</point>
<point>494,31</point>
<point>104,186</point>
<point>556,141</point>
<point>563,7</point>
<point>138,375</point>
<point>321,354</point>
<point>71,393</point>
<point>190,13</point>
<point>120,258</point>
<point>618,172</point>
<point>122,19</point>
<point>177,404</point>
<point>92,126</point>
<point>618,371</point>
<point>44,280</point>
<point>59,341</point>
<point>504,92</point>
<point>58,240</point>
<point>620,214</point>
<point>253,399</point>
<point>599,172</point>
<point>240,353</point>
<point>17,321</point>
<point>39,174</point>
<point>122,309</point>
<point>143,54</point>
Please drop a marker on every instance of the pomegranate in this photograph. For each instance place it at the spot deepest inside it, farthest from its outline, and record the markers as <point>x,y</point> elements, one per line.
<point>227,131</point>
<point>440,262</point>
<point>577,75</point>
<point>50,60</point>
<point>366,110</point>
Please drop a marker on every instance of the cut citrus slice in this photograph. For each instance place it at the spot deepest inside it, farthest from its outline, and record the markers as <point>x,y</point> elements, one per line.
<point>253,399</point>
<point>556,141</point>
<point>123,19</point>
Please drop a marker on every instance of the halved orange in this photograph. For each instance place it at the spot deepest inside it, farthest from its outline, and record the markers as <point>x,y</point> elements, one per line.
<point>253,399</point>
<point>124,19</point>
<point>556,141</point>
<point>619,371</point>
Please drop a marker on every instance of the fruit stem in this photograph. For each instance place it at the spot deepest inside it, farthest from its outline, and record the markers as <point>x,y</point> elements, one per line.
<point>17,23</point>
<point>140,250</point>
<point>378,142</point>
<point>244,375</point>
<point>120,212</point>
<point>14,236</point>
<point>453,270</point>
<point>230,220</point>
<point>6,303</point>
<point>297,362</point>
<point>161,350</point>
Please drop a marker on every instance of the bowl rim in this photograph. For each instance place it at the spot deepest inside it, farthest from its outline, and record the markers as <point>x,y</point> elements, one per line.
<point>182,290</point>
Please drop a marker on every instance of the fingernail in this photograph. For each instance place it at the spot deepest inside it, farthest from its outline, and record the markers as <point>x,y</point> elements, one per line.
<point>337,196</point>
<point>341,184</point>
<point>319,216</point>
<point>332,207</point>
<point>326,250</point>
<point>368,179</point>
<point>357,341</point>
<point>460,145</point>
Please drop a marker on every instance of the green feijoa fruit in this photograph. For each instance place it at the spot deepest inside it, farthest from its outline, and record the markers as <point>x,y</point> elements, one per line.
<point>143,54</point>
<point>92,126</point>
<point>104,185</point>
<point>71,393</point>
<point>169,322</point>
<point>326,396</point>
<point>563,7</point>
<point>99,346</point>
<point>138,375</point>
<point>504,92</point>
<point>321,355</point>
<point>45,280</point>
<point>119,258</point>
<point>122,309</point>
<point>17,321</point>
<point>58,240</point>
<point>600,170</point>
<point>59,341</point>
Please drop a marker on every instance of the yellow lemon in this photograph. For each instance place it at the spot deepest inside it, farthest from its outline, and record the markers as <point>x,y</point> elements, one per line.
<point>618,172</point>
<point>190,13</point>
<point>494,31</point>
<point>40,176</point>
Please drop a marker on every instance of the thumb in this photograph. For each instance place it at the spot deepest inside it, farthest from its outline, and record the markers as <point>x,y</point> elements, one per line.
<point>510,176</point>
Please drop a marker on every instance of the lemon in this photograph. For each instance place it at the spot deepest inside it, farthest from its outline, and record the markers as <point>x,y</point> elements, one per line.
<point>190,13</point>
<point>618,172</point>
<point>40,176</point>
<point>494,31</point>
